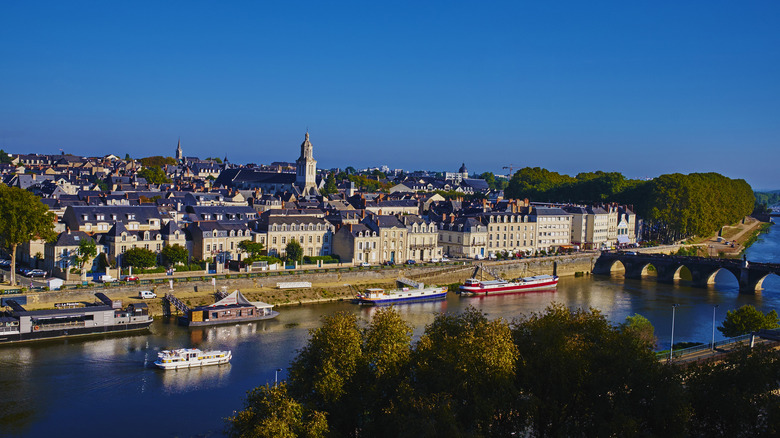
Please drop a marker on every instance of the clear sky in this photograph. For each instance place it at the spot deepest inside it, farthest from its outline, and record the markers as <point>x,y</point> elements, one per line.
<point>639,87</point>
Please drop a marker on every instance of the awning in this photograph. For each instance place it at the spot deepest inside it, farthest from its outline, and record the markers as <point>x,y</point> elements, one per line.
<point>622,238</point>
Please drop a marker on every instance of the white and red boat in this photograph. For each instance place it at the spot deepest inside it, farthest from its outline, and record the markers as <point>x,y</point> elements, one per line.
<point>474,286</point>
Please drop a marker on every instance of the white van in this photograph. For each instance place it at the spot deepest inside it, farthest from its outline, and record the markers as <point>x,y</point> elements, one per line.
<point>144,294</point>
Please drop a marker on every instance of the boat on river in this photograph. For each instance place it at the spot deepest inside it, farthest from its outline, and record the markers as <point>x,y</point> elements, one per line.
<point>410,291</point>
<point>230,309</point>
<point>498,285</point>
<point>190,358</point>
<point>108,316</point>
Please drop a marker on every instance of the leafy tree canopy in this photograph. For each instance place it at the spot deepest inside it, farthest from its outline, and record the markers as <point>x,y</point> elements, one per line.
<point>23,217</point>
<point>293,251</point>
<point>154,175</point>
<point>747,319</point>
<point>157,161</point>
<point>174,255</point>
<point>139,258</point>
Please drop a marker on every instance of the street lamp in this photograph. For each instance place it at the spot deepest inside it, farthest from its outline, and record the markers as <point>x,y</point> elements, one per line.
<point>671,347</point>
<point>276,376</point>
<point>713,327</point>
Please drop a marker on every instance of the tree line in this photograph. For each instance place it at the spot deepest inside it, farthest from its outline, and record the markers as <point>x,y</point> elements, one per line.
<point>556,373</point>
<point>674,206</point>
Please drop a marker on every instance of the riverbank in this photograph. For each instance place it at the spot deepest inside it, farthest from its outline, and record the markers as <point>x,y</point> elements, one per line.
<point>328,286</point>
<point>731,241</point>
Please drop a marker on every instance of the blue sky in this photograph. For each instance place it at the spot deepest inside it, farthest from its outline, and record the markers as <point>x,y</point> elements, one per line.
<point>643,88</point>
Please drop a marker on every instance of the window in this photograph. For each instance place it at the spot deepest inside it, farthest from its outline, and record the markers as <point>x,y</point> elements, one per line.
<point>208,247</point>
<point>274,240</point>
<point>284,240</point>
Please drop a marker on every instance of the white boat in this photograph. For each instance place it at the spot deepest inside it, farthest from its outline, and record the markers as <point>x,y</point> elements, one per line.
<point>191,357</point>
<point>414,291</point>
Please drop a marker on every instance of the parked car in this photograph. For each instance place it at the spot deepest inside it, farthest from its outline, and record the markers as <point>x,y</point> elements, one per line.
<point>410,262</point>
<point>107,278</point>
<point>389,263</point>
<point>129,278</point>
<point>365,264</point>
<point>5,263</point>
<point>434,260</point>
<point>36,273</point>
<point>144,294</point>
<point>445,259</point>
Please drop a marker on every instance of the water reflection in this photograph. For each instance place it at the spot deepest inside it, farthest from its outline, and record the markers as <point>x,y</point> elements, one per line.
<point>194,379</point>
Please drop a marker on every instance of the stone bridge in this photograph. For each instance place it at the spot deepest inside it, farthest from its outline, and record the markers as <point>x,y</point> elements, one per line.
<point>750,275</point>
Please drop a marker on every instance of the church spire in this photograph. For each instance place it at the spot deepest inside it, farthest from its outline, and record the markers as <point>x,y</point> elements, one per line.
<point>179,153</point>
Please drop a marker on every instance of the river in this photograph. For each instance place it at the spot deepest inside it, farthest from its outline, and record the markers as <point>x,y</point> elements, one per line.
<point>106,386</point>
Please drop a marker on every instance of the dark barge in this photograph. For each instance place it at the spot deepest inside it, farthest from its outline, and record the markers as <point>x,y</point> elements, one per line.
<point>21,325</point>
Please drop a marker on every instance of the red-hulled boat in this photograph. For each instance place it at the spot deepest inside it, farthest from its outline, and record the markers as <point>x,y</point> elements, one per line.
<point>473,286</point>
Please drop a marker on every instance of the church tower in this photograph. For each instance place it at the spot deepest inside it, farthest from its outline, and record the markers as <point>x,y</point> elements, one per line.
<point>179,153</point>
<point>306,168</point>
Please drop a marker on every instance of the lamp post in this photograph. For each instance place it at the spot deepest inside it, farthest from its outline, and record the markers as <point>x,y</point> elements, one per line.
<point>671,347</point>
<point>276,376</point>
<point>713,327</point>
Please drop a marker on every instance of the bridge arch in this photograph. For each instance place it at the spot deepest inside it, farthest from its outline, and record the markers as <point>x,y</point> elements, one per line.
<point>708,276</point>
<point>760,282</point>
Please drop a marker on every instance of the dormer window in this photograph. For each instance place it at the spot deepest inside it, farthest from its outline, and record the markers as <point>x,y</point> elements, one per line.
<point>84,217</point>
<point>101,217</point>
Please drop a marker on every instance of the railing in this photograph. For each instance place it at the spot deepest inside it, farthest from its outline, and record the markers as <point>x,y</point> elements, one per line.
<point>690,350</point>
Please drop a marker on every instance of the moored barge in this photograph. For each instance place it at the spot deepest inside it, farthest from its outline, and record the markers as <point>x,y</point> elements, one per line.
<point>21,325</point>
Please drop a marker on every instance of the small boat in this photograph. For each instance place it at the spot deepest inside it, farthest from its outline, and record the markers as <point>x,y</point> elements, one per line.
<point>191,357</point>
<point>414,291</point>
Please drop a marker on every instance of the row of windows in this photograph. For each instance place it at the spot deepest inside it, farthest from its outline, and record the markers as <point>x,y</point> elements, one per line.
<point>310,227</point>
<point>320,239</point>
<point>231,233</point>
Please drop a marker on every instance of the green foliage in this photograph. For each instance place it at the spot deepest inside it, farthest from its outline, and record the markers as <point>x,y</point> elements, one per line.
<point>584,377</point>
<point>270,412</point>
<point>640,328</point>
<point>139,258</point>
<point>368,184</point>
<point>215,159</point>
<point>154,175</point>
<point>87,252</point>
<point>674,206</point>
<point>293,251</point>
<point>174,254</point>
<point>4,157</point>
<point>157,161</point>
<point>254,249</point>
<point>555,373</point>
<point>747,319</point>
<point>330,185</point>
<point>23,217</point>
<point>736,396</point>
<point>763,198</point>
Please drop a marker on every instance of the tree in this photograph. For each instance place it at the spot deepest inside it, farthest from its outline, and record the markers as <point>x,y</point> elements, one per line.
<point>4,157</point>
<point>293,251</point>
<point>23,217</point>
<point>174,255</point>
<point>270,412</point>
<point>582,376</point>
<point>255,249</point>
<point>157,161</point>
<point>747,319</point>
<point>127,157</point>
<point>735,396</point>
<point>139,258</point>
<point>641,328</point>
<point>86,254</point>
<point>154,175</point>
<point>330,185</point>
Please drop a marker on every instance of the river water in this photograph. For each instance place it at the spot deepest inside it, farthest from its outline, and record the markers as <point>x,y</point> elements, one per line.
<point>106,386</point>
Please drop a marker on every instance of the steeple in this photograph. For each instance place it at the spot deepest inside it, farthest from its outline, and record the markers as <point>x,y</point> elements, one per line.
<point>179,153</point>
<point>306,168</point>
